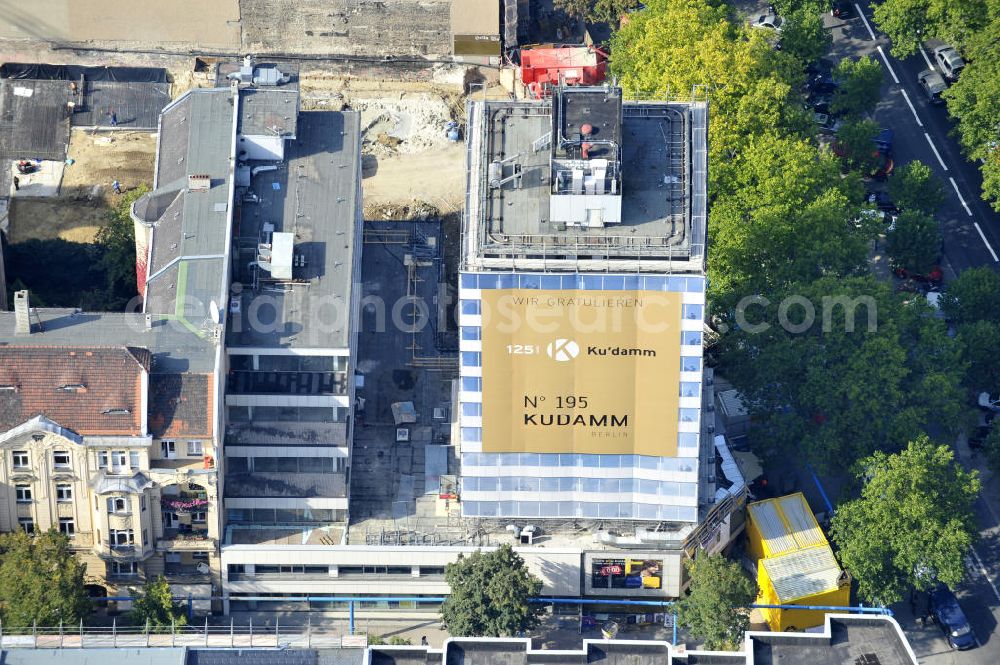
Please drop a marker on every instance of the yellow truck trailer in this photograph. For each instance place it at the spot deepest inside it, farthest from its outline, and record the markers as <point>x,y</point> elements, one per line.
<point>795,565</point>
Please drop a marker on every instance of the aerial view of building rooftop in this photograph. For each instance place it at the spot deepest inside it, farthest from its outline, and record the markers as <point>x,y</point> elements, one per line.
<point>585,180</point>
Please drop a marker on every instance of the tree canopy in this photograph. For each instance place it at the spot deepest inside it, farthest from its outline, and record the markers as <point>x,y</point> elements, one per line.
<point>598,11</point>
<point>973,296</point>
<point>915,242</point>
<point>490,593</point>
<point>716,608</point>
<point>40,580</point>
<point>914,186</point>
<point>912,525</point>
<point>860,85</point>
<point>910,22</point>
<point>153,605</point>
<point>867,374</point>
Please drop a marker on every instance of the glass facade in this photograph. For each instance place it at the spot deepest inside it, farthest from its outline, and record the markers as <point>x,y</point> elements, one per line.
<point>638,487</point>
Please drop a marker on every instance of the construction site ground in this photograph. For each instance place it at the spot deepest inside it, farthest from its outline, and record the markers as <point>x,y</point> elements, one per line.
<point>85,196</point>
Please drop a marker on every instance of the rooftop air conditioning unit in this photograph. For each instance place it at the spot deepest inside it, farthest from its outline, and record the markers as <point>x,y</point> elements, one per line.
<point>199,182</point>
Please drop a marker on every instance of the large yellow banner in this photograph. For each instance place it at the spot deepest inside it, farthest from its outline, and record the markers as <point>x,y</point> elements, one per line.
<point>581,371</point>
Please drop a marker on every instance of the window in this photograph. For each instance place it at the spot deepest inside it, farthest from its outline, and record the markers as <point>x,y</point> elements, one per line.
<point>102,459</point>
<point>60,459</point>
<point>123,568</point>
<point>117,504</point>
<point>133,459</point>
<point>145,537</point>
<point>67,526</point>
<point>199,556</point>
<point>237,569</point>
<point>21,459</point>
<point>142,502</point>
<point>118,459</point>
<point>64,492</point>
<point>120,538</point>
<point>431,570</point>
<point>199,517</point>
<point>27,524</point>
<point>194,448</point>
<point>168,449</point>
<point>23,493</point>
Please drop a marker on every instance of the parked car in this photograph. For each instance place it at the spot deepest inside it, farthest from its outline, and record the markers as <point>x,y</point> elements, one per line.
<point>986,401</point>
<point>842,10</point>
<point>933,85</point>
<point>932,277</point>
<point>826,122</point>
<point>769,20</point>
<point>881,201</point>
<point>978,438</point>
<point>949,615</point>
<point>949,60</point>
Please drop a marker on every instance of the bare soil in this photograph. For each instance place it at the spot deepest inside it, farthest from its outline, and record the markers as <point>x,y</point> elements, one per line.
<point>85,195</point>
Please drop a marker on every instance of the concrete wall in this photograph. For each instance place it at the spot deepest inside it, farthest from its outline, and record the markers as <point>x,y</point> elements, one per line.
<point>347,27</point>
<point>144,23</point>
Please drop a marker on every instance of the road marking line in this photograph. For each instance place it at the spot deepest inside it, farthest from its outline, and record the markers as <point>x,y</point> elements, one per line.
<point>862,15</point>
<point>983,568</point>
<point>936,153</point>
<point>960,198</point>
<point>930,65</point>
<point>910,104</point>
<point>888,66</point>
<point>995,259</point>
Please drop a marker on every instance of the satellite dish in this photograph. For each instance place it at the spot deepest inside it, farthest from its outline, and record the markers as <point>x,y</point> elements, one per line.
<point>213,309</point>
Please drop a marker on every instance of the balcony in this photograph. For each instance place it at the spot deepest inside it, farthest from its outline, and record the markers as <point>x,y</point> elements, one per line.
<point>123,552</point>
<point>182,464</point>
<point>185,541</point>
<point>184,572</point>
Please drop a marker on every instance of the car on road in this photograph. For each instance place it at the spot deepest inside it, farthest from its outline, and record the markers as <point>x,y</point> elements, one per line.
<point>949,60</point>
<point>986,401</point>
<point>769,20</point>
<point>826,122</point>
<point>933,85</point>
<point>978,438</point>
<point>949,615</point>
<point>842,10</point>
<point>880,201</point>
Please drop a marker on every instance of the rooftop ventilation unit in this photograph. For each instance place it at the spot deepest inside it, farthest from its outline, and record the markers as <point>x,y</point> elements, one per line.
<point>199,182</point>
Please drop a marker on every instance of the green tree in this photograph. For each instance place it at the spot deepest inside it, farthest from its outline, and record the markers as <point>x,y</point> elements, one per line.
<point>980,342</point>
<point>598,11</point>
<point>716,608</point>
<point>680,48</point>
<point>868,374</point>
<point>153,605</point>
<point>860,84</point>
<point>915,242</point>
<point>991,448</point>
<point>784,217</point>
<point>912,525</point>
<point>973,296</point>
<point>910,22</point>
<point>803,34</point>
<point>40,581</point>
<point>855,144</point>
<point>974,103</point>
<point>116,241</point>
<point>915,187</point>
<point>490,594</point>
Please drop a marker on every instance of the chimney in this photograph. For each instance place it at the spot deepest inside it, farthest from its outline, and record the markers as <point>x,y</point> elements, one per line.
<point>22,313</point>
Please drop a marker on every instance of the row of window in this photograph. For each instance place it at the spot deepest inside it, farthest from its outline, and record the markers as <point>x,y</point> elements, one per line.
<point>580,509</point>
<point>572,460</point>
<point>66,525</point>
<point>581,282</point>
<point>342,571</point>
<point>285,464</point>
<point>23,493</point>
<point>61,459</point>
<point>592,485</point>
<point>690,312</point>
<point>284,515</point>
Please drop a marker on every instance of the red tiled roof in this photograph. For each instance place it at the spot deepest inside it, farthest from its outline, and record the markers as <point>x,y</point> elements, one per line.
<point>180,405</point>
<point>91,390</point>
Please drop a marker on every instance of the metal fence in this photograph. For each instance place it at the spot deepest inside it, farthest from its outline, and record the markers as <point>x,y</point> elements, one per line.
<point>204,636</point>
